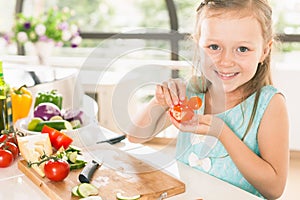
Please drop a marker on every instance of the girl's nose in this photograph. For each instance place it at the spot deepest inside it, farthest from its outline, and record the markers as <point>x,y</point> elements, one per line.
<point>226,58</point>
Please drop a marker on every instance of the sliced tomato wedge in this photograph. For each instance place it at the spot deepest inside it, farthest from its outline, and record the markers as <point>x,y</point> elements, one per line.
<point>187,114</point>
<point>195,103</point>
<point>181,113</point>
<point>57,138</point>
<point>63,141</point>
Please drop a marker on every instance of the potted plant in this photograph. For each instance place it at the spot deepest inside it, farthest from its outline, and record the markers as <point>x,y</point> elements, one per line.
<point>51,28</point>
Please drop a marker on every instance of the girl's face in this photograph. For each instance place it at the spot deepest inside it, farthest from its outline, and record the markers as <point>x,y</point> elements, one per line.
<point>233,47</point>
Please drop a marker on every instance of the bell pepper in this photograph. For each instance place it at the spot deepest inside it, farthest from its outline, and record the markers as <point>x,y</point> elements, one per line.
<point>49,96</point>
<point>21,100</point>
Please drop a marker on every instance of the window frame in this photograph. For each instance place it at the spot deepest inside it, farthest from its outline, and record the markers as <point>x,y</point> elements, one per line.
<point>173,36</point>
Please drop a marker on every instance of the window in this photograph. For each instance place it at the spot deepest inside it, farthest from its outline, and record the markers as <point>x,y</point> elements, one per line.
<point>99,19</point>
<point>7,11</point>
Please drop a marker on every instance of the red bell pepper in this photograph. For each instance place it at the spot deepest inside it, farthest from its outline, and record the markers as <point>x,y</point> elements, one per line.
<point>57,138</point>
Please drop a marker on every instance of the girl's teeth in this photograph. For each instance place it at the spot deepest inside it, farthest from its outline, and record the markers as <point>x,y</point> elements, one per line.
<point>227,75</point>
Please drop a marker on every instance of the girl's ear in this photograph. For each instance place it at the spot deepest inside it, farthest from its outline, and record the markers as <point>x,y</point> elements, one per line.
<point>266,51</point>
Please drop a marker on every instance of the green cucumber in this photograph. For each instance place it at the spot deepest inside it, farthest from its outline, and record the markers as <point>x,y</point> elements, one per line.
<point>77,165</point>
<point>56,124</point>
<point>87,189</point>
<point>73,148</point>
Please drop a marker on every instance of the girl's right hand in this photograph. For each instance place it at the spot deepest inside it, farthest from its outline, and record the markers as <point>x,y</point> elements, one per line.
<point>170,92</point>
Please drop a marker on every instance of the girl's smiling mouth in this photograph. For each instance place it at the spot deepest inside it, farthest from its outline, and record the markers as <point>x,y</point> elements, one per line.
<point>226,76</point>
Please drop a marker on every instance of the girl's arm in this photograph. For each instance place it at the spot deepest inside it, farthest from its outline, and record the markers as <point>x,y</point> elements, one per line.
<point>267,173</point>
<point>148,123</point>
<point>154,118</point>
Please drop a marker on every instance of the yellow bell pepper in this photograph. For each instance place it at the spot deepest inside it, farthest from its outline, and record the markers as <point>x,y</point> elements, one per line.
<point>21,100</point>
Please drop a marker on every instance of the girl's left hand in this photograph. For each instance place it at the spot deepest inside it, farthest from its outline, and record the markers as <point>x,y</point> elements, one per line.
<point>201,124</point>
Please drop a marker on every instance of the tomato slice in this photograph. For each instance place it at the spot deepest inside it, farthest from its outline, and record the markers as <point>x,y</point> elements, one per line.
<point>195,103</point>
<point>184,102</point>
<point>181,113</point>
<point>57,138</point>
<point>176,112</point>
<point>53,134</point>
<point>63,140</point>
<point>187,114</point>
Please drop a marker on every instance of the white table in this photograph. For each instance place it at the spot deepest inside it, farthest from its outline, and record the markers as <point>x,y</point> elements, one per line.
<point>15,185</point>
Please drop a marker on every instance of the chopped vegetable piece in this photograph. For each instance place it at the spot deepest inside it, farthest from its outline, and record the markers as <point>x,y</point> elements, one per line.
<point>77,165</point>
<point>72,156</point>
<point>46,111</point>
<point>74,191</point>
<point>56,124</point>
<point>121,197</point>
<point>87,189</point>
<point>75,124</point>
<point>57,138</point>
<point>21,100</point>
<point>72,114</point>
<point>33,123</point>
<point>56,117</point>
<point>49,96</point>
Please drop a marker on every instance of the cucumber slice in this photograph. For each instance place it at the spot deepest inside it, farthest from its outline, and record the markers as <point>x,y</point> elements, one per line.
<point>72,156</point>
<point>33,123</point>
<point>56,117</point>
<point>121,197</point>
<point>74,191</point>
<point>87,189</point>
<point>75,124</point>
<point>92,198</point>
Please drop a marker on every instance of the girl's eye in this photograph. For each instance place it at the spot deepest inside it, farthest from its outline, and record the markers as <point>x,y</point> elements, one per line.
<point>242,49</point>
<point>214,47</point>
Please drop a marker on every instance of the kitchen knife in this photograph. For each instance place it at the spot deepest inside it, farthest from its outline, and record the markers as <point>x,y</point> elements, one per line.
<point>113,140</point>
<point>86,175</point>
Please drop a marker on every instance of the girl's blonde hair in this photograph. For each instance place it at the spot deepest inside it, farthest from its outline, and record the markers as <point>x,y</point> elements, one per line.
<point>262,12</point>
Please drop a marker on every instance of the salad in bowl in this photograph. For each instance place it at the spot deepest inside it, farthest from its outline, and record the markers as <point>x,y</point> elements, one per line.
<point>65,120</point>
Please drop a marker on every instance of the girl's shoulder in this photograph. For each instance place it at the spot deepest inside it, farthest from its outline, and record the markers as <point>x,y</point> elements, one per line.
<point>267,92</point>
<point>269,89</point>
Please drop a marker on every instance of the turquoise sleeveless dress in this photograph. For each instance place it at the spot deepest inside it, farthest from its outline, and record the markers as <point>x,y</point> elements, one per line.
<point>207,154</point>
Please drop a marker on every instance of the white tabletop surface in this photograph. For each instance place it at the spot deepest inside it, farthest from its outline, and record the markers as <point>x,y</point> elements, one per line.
<point>15,185</point>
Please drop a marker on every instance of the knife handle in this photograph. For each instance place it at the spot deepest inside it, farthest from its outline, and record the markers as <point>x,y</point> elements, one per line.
<point>86,175</point>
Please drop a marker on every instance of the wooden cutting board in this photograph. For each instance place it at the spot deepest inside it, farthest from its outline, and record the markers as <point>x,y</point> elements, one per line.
<point>120,172</point>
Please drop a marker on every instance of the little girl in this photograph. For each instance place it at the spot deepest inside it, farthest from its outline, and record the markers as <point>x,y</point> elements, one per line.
<point>243,117</point>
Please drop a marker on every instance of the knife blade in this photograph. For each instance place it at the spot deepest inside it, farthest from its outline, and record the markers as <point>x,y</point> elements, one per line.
<point>113,140</point>
<point>86,174</point>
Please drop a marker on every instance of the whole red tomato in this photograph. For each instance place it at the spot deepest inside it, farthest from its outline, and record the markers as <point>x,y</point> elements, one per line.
<point>56,170</point>
<point>8,138</point>
<point>3,138</point>
<point>6,158</point>
<point>12,147</point>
